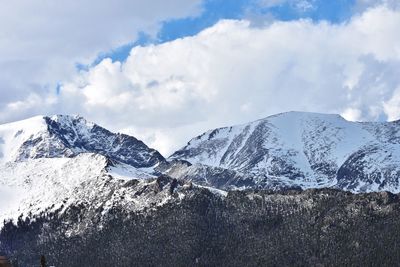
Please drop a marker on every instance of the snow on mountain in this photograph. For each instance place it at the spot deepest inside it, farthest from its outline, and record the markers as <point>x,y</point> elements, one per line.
<point>63,180</point>
<point>13,135</point>
<point>51,163</point>
<point>303,149</point>
<point>48,184</point>
<point>68,136</point>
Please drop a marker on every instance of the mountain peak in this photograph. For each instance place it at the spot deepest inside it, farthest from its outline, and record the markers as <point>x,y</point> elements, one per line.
<point>66,117</point>
<point>303,114</point>
<point>303,149</point>
<point>292,116</point>
<point>67,136</point>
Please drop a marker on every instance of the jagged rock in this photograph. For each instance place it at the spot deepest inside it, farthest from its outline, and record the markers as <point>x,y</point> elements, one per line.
<point>67,136</point>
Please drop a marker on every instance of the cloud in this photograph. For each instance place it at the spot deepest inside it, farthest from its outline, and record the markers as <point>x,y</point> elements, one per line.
<point>362,5</point>
<point>234,72</point>
<point>299,5</point>
<point>392,105</point>
<point>41,41</point>
<point>351,114</point>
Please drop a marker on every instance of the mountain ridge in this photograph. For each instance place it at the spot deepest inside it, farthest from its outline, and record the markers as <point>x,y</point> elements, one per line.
<point>285,150</point>
<point>69,187</point>
<point>67,136</point>
<point>308,149</point>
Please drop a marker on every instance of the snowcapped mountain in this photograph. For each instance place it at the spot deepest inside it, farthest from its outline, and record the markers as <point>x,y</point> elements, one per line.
<point>69,187</point>
<point>308,150</point>
<point>42,185</point>
<point>48,164</point>
<point>68,136</point>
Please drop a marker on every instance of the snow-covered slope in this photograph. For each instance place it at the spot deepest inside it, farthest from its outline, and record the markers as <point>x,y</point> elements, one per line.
<point>64,180</point>
<point>52,163</point>
<point>13,135</point>
<point>68,136</point>
<point>304,149</point>
<point>88,183</point>
<point>49,184</point>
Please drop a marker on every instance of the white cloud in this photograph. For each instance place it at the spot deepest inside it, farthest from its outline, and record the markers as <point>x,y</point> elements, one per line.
<point>392,106</point>
<point>351,114</point>
<point>41,41</point>
<point>233,73</point>
<point>299,5</point>
<point>362,5</point>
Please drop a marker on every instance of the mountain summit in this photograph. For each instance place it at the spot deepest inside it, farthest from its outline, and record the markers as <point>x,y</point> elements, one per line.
<point>67,136</point>
<point>293,149</point>
<point>303,149</point>
<point>50,164</point>
<point>84,194</point>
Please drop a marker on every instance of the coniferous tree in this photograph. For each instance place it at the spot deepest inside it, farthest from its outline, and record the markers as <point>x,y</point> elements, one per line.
<point>43,261</point>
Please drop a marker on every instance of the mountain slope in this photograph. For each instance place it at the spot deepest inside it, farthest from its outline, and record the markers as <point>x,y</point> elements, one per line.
<point>304,149</point>
<point>68,136</point>
<point>84,196</point>
<point>321,227</point>
<point>48,164</point>
<point>54,184</point>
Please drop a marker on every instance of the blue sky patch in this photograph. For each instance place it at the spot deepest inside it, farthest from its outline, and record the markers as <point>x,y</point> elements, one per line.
<point>334,11</point>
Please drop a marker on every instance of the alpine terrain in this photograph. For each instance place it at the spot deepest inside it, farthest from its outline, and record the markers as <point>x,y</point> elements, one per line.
<point>291,189</point>
<point>297,149</point>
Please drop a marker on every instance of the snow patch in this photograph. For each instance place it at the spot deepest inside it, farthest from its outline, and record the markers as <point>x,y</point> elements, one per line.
<point>13,135</point>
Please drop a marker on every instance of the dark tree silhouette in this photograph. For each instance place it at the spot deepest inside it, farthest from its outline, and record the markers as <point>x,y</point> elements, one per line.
<point>43,261</point>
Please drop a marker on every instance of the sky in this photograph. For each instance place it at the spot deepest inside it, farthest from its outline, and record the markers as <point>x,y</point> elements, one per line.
<point>166,71</point>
